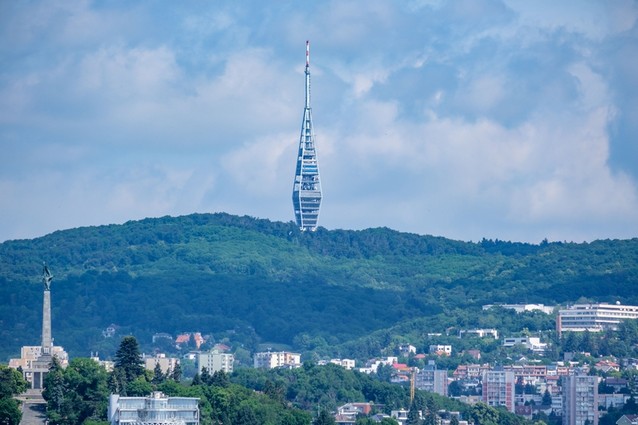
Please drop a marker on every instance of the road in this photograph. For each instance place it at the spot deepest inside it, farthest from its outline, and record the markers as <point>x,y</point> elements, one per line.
<point>33,413</point>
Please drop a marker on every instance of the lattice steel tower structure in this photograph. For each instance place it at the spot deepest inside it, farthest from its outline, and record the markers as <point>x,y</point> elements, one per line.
<point>306,191</point>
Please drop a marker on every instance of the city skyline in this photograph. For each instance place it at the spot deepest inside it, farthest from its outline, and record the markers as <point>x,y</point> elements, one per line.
<point>462,119</point>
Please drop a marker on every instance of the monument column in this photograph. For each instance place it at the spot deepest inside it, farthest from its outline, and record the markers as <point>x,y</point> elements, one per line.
<point>47,342</point>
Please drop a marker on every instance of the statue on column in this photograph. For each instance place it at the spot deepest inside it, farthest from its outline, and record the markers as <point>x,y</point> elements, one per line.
<point>47,277</point>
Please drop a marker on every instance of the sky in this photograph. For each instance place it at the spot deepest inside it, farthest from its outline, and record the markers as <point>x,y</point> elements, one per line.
<point>468,119</point>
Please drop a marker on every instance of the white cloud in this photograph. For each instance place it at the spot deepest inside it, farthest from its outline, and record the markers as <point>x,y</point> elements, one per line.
<point>462,120</point>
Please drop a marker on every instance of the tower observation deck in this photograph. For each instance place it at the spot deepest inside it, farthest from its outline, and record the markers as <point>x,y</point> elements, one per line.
<point>306,192</point>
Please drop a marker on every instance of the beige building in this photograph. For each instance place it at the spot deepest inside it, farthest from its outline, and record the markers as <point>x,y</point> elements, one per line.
<point>271,360</point>
<point>167,364</point>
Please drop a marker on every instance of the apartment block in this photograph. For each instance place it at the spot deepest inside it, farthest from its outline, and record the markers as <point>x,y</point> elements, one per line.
<point>580,400</point>
<point>271,360</point>
<point>498,388</point>
<point>214,361</point>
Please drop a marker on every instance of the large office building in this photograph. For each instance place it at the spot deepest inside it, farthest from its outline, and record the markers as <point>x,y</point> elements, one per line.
<point>498,388</point>
<point>594,317</point>
<point>156,409</point>
<point>580,400</point>
<point>306,191</point>
<point>215,361</point>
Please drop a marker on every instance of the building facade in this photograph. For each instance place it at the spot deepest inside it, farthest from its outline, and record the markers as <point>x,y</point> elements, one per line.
<point>499,388</point>
<point>594,317</point>
<point>431,379</point>
<point>166,364</point>
<point>214,361</point>
<point>271,360</point>
<point>580,400</point>
<point>156,409</point>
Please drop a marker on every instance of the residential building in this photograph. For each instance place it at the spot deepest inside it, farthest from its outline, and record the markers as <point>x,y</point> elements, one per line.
<point>373,365</point>
<point>346,363</point>
<point>606,401</point>
<point>528,374</point>
<point>347,414</point>
<point>407,349</point>
<point>214,361</point>
<point>431,379</point>
<point>470,371</point>
<point>594,317</point>
<point>441,350</point>
<point>498,388</point>
<point>481,333</point>
<point>627,420</point>
<point>167,364</point>
<point>580,400</point>
<point>271,360</point>
<point>156,409</point>
<point>531,343</point>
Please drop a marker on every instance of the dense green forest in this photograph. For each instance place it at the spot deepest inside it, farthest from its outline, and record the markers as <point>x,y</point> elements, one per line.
<point>258,283</point>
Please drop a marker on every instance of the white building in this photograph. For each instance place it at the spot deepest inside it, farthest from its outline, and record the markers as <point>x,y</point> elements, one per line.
<point>594,317</point>
<point>215,361</point>
<point>345,363</point>
<point>441,350</point>
<point>531,343</point>
<point>520,308</point>
<point>373,365</point>
<point>271,360</point>
<point>481,333</point>
<point>156,409</point>
<point>580,400</point>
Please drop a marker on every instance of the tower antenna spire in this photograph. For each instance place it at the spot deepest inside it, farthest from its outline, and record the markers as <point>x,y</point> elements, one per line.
<point>306,192</point>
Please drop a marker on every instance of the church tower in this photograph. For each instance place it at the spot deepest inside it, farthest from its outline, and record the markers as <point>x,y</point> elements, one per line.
<point>306,192</point>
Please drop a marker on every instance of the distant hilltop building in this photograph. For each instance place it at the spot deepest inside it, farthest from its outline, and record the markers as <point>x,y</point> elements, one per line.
<point>306,191</point>
<point>594,317</point>
<point>520,308</point>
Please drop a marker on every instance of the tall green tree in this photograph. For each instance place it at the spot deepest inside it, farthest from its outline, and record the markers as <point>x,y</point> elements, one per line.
<point>482,414</point>
<point>158,375</point>
<point>129,359</point>
<point>11,382</point>
<point>176,375</point>
<point>10,413</point>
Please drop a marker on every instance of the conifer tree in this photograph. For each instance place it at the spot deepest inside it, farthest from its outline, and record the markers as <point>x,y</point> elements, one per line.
<point>128,359</point>
<point>177,373</point>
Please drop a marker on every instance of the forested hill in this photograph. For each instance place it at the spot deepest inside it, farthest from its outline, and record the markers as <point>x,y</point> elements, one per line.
<point>217,272</point>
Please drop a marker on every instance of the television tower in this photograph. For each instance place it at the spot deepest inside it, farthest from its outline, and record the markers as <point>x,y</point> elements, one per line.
<point>306,191</point>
